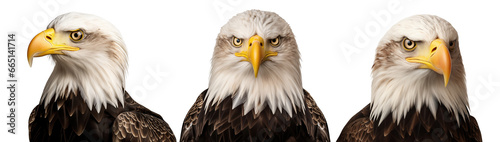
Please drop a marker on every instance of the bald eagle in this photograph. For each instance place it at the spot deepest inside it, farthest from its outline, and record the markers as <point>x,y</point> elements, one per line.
<point>255,90</point>
<point>418,88</point>
<point>84,98</point>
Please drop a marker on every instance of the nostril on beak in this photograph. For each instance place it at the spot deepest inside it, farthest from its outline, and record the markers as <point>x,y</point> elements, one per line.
<point>433,49</point>
<point>260,44</point>
<point>48,37</point>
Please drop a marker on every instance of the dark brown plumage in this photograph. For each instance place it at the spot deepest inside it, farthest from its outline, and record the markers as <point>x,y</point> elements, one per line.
<point>221,123</point>
<point>70,119</point>
<point>417,126</point>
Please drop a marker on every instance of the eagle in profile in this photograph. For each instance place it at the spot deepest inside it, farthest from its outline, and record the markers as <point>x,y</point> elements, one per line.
<point>84,98</point>
<point>255,91</point>
<point>418,88</point>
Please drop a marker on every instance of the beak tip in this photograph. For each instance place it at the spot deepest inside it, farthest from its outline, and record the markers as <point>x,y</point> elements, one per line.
<point>30,60</point>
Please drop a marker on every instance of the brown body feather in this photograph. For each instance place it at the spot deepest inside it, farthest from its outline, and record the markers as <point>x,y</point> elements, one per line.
<point>416,126</point>
<point>69,119</point>
<point>221,123</point>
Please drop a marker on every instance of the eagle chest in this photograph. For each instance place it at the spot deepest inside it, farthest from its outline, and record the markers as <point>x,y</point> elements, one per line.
<point>222,123</point>
<point>70,119</point>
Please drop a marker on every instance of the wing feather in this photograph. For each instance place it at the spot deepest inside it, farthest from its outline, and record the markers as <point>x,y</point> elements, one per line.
<point>359,128</point>
<point>191,119</point>
<point>136,126</point>
<point>321,127</point>
<point>474,133</point>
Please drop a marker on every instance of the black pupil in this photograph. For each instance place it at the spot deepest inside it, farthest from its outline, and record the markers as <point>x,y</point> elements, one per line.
<point>76,35</point>
<point>409,43</point>
<point>451,43</point>
<point>237,40</point>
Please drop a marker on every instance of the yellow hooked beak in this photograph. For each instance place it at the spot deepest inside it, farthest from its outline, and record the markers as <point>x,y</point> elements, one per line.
<point>45,43</point>
<point>436,58</point>
<point>255,53</point>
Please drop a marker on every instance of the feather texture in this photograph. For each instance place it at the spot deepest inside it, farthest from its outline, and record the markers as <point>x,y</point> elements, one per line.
<point>416,126</point>
<point>222,123</point>
<point>74,121</point>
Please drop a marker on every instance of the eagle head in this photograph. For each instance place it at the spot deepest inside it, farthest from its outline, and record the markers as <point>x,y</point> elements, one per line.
<point>418,64</point>
<point>90,58</point>
<point>256,61</point>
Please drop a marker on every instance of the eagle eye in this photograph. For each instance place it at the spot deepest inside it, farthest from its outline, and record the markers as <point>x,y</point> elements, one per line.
<point>452,45</point>
<point>408,44</point>
<point>237,42</point>
<point>76,35</point>
<point>276,41</point>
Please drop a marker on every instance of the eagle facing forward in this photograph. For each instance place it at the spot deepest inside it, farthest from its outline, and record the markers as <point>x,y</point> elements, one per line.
<point>418,88</point>
<point>255,90</point>
<point>84,98</point>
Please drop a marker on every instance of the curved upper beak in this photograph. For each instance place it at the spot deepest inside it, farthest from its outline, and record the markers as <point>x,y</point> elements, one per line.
<point>45,43</point>
<point>255,53</point>
<point>436,58</point>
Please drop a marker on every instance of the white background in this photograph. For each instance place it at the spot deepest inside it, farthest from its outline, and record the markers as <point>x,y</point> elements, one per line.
<point>177,38</point>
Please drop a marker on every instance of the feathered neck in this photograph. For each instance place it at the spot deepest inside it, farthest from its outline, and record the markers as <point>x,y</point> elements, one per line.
<point>99,81</point>
<point>278,85</point>
<point>397,92</point>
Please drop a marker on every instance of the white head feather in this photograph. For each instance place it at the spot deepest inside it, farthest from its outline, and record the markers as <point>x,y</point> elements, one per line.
<point>399,85</point>
<point>97,70</point>
<point>278,84</point>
